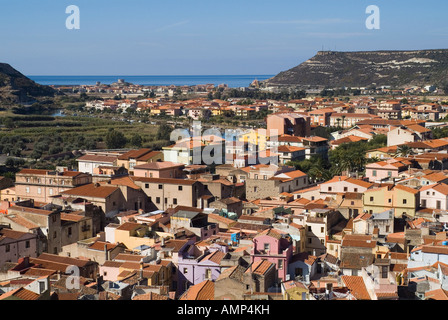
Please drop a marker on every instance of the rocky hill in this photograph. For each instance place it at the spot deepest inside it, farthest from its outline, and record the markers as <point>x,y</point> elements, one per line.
<point>368,68</point>
<point>17,88</point>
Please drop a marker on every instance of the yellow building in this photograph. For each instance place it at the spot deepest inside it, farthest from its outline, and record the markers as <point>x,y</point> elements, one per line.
<point>294,290</point>
<point>382,153</point>
<point>133,235</point>
<point>403,200</point>
<point>257,137</point>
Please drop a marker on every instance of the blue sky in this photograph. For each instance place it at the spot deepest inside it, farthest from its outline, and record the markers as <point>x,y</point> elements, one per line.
<point>171,37</point>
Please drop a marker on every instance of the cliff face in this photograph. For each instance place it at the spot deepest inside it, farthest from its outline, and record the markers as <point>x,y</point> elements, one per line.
<point>15,87</point>
<point>362,69</point>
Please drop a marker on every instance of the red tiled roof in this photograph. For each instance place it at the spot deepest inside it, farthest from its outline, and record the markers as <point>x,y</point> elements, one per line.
<point>201,291</point>
<point>357,287</point>
<point>91,190</point>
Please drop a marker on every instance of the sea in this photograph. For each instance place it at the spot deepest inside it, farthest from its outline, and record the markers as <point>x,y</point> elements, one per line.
<point>233,81</point>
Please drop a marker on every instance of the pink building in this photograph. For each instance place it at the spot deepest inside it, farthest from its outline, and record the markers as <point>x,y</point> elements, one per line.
<point>162,169</point>
<point>343,184</point>
<point>16,244</point>
<point>288,123</point>
<point>387,169</point>
<point>42,185</point>
<point>274,246</point>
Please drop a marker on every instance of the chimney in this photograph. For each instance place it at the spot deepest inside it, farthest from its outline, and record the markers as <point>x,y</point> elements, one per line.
<point>141,269</point>
<point>328,290</point>
<point>106,254</point>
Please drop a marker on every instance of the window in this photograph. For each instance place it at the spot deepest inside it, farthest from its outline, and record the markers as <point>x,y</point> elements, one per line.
<point>310,240</point>
<point>438,205</point>
<point>41,286</point>
<point>389,173</point>
<point>8,248</point>
<point>27,189</point>
<point>405,201</point>
<point>174,200</point>
<point>166,200</point>
<point>374,173</point>
<point>185,271</point>
<point>208,273</point>
<point>160,186</point>
<point>322,241</point>
<point>280,264</point>
<point>345,189</point>
<point>39,190</point>
<point>424,203</point>
<point>69,231</point>
<point>179,188</point>
<point>309,228</point>
<point>266,247</point>
<point>371,198</point>
<point>355,190</point>
<point>27,244</point>
<point>389,200</point>
<point>53,218</point>
<point>322,229</point>
<point>147,185</point>
<point>329,189</point>
<point>50,191</point>
<point>158,200</point>
<point>352,203</point>
<point>55,235</point>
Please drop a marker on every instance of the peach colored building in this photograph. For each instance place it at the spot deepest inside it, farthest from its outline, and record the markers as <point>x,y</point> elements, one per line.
<point>42,185</point>
<point>288,123</point>
<point>387,169</point>
<point>162,169</point>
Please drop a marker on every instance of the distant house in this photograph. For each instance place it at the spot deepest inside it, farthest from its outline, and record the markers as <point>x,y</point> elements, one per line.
<point>403,200</point>
<point>41,185</point>
<point>133,158</point>
<point>87,163</point>
<point>273,246</point>
<point>17,244</point>
<point>343,184</point>
<point>434,196</point>
<point>162,169</point>
<point>303,267</point>
<point>295,290</point>
<point>387,169</point>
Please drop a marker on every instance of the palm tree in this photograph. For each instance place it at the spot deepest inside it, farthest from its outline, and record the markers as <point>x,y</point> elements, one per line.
<point>338,120</point>
<point>404,151</point>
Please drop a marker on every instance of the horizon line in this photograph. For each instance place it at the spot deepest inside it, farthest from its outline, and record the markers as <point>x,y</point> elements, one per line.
<point>144,75</point>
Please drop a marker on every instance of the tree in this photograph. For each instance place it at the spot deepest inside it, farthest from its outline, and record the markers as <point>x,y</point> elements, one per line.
<point>115,139</point>
<point>445,88</point>
<point>403,151</point>
<point>136,140</point>
<point>164,132</point>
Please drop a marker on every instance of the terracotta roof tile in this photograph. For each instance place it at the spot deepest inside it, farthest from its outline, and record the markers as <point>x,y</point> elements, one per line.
<point>201,291</point>
<point>357,287</point>
<point>91,190</point>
